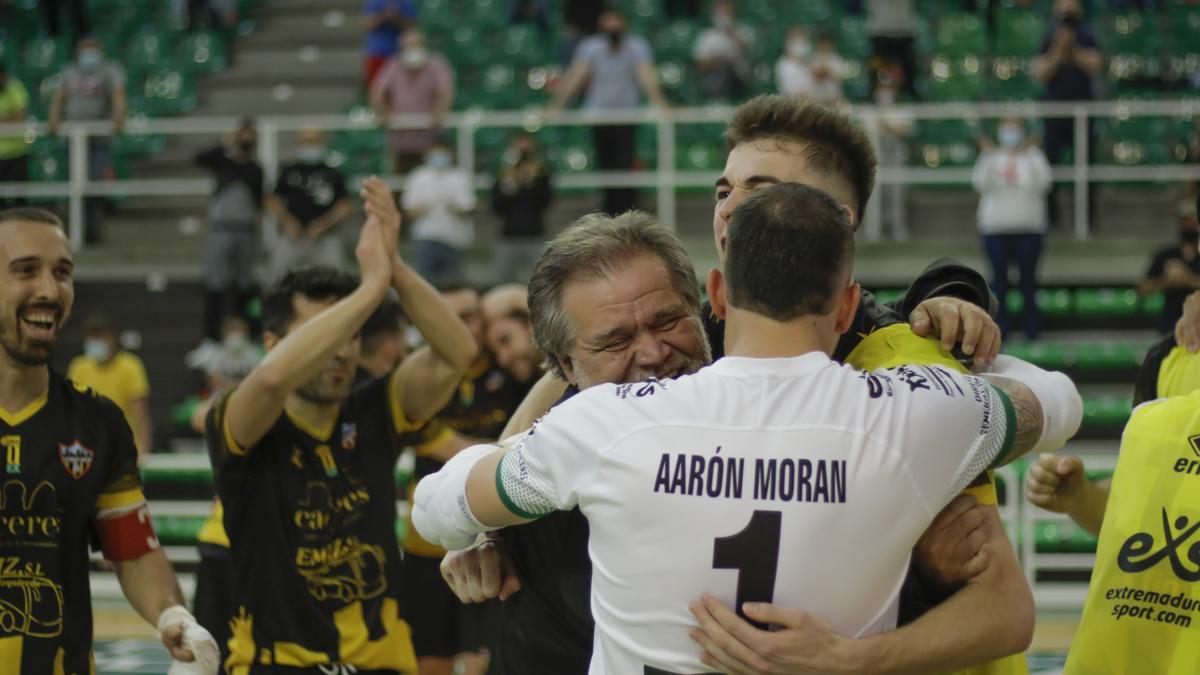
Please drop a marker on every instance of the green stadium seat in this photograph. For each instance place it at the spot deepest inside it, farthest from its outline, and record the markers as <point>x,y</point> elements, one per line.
<point>572,158</point>
<point>854,41</point>
<point>1012,79</point>
<point>147,51</point>
<point>497,87</point>
<point>675,41</point>
<point>1153,304</point>
<point>135,143</point>
<point>437,15</point>
<point>1057,302</point>
<point>1019,32</point>
<point>944,143</point>
<point>1133,32</point>
<point>522,45</point>
<point>806,12</point>
<point>959,34</point>
<point>701,157</point>
<point>178,530</point>
<point>1050,355</point>
<point>955,78</point>
<point>1062,537</point>
<point>164,93</point>
<point>1106,410</point>
<point>1131,70</point>
<point>487,14</point>
<point>1108,356</point>
<point>43,57</point>
<point>673,78</point>
<point>1106,302</point>
<point>202,52</point>
<point>198,474</point>
<point>465,47</point>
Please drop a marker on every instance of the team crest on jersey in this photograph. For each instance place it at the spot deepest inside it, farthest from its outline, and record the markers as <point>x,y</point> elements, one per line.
<point>494,381</point>
<point>349,435</point>
<point>1194,441</point>
<point>76,458</point>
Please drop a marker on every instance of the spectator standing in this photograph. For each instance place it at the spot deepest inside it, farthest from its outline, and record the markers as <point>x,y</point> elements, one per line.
<point>1067,66</point>
<point>616,67</point>
<point>414,81</point>
<point>1175,270</point>
<point>892,25</point>
<point>93,88</point>
<point>384,21</point>
<point>439,196</point>
<point>895,127</point>
<point>234,212</point>
<point>815,74</point>
<point>116,374</point>
<point>1013,180</point>
<point>14,151</point>
<point>722,56</point>
<point>520,197</point>
<point>310,200</point>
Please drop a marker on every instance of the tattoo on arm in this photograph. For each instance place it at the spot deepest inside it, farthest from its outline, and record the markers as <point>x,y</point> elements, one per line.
<point>1027,411</point>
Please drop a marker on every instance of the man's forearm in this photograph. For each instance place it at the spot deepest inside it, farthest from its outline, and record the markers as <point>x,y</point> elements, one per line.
<point>1088,511</point>
<point>446,334</point>
<point>149,584</point>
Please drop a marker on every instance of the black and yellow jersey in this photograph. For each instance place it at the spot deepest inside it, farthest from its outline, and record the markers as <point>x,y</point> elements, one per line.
<point>310,515</point>
<point>486,398</point>
<point>68,456</point>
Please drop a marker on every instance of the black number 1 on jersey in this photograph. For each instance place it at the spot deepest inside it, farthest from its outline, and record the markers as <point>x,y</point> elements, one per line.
<point>754,553</point>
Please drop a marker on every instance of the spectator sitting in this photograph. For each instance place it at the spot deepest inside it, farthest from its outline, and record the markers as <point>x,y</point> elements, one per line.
<point>414,81</point>
<point>117,375</point>
<point>234,213</point>
<point>1012,181</point>
<point>14,151</point>
<point>1175,270</point>
<point>722,56</point>
<point>1067,66</point>
<point>520,197</point>
<point>384,21</point>
<point>816,75</point>
<point>439,196</point>
<point>310,200</point>
<point>93,88</point>
<point>616,67</point>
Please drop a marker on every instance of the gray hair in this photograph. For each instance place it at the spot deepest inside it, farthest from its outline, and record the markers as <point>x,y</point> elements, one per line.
<point>595,246</point>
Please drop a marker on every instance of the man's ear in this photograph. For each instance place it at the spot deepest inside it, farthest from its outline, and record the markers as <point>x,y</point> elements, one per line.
<point>851,296</point>
<point>270,340</point>
<point>850,215</point>
<point>568,369</point>
<point>716,292</point>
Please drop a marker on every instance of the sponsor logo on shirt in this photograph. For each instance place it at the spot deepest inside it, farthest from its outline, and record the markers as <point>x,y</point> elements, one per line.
<point>1139,554</point>
<point>76,458</point>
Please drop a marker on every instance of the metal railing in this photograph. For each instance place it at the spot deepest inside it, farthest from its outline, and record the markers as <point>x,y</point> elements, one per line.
<point>664,179</point>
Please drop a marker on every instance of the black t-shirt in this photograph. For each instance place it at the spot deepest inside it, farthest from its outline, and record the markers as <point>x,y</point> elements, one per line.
<point>311,517</point>
<point>1070,82</point>
<point>548,625</point>
<point>228,170</point>
<point>1173,296</point>
<point>67,456</point>
<point>310,190</point>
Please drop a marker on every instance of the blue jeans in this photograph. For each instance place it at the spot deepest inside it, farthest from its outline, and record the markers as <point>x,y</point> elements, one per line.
<point>437,262</point>
<point>1024,250</point>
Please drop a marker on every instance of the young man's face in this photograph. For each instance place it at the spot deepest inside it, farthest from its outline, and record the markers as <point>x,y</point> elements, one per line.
<point>38,290</point>
<point>630,325</point>
<point>333,383</point>
<point>759,164</point>
<point>511,342</point>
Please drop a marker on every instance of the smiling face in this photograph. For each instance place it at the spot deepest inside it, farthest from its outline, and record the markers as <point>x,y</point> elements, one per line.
<point>38,291</point>
<point>629,325</point>
<point>510,340</point>
<point>762,163</point>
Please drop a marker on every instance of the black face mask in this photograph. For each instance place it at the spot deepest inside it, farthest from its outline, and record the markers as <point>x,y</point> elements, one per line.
<point>1191,237</point>
<point>246,146</point>
<point>1071,20</point>
<point>615,37</point>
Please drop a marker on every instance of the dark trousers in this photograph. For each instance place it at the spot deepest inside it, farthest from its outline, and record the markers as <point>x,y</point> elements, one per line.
<point>614,152</point>
<point>1024,250</point>
<point>900,51</point>
<point>50,15</point>
<point>13,170</point>
<point>1059,138</point>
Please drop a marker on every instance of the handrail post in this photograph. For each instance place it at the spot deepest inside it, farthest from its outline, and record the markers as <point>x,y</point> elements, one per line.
<point>268,152</point>
<point>666,170</point>
<point>873,218</point>
<point>78,167</point>
<point>1082,152</point>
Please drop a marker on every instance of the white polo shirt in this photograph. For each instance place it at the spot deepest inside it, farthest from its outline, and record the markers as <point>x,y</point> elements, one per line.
<point>795,481</point>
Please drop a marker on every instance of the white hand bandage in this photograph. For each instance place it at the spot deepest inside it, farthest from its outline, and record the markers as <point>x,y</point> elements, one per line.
<point>440,510</point>
<point>195,638</point>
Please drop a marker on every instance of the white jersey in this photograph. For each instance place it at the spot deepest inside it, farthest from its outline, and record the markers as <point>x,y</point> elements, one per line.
<point>795,481</point>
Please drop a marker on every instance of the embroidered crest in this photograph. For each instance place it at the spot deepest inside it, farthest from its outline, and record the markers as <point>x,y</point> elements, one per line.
<point>76,458</point>
<point>349,436</point>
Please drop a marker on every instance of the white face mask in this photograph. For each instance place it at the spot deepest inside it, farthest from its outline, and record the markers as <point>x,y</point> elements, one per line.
<point>96,348</point>
<point>415,57</point>
<point>438,160</point>
<point>799,48</point>
<point>1010,137</point>
<point>310,154</point>
<point>90,58</point>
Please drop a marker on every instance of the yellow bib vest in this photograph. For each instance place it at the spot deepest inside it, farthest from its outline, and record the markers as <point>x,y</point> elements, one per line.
<point>1142,614</point>
<point>897,345</point>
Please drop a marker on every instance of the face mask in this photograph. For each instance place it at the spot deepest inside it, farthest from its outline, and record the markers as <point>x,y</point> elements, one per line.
<point>310,154</point>
<point>415,57</point>
<point>96,348</point>
<point>90,58</point>
<point>1191,237</point>
<point>438,160</point>
<point>246,146</point>
<point>1010,137</point>
<point>799,48</point>
<point>614,37</point>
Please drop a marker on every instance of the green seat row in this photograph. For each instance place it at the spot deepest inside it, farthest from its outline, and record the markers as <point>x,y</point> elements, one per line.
<point>200,473</point>
<point>1062,537</point>
<point>1105,355</point>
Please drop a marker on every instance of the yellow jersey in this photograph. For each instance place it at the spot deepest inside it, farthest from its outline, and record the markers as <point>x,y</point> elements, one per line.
<point>122,380</point>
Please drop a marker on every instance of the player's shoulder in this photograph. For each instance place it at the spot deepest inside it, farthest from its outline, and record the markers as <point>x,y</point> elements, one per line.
<point>75,396</point>
<point>1162,412</point>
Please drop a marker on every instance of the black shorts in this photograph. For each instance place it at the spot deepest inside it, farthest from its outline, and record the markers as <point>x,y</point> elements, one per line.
<point>213,603</point>
<point>441,625</point>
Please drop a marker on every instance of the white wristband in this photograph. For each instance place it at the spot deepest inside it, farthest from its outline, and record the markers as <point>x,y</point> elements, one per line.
<point>1062,408</point>
<point>440,510</point>
<point>195,638</point>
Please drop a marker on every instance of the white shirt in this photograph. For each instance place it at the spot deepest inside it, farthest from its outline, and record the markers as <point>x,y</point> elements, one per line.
<point>1012,190</point>
<point>441,194</point>
<point>794,77</point>
<point>816,474</point>
<point>718,43</point>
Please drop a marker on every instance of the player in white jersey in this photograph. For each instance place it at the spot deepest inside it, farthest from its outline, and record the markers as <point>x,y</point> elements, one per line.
<point>774,459</point>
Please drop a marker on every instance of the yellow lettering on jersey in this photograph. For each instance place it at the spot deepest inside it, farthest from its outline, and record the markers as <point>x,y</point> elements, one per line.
<point>12,453</point>
<point>326,456</point>
<point>393,651</point>
<point>241,643</point>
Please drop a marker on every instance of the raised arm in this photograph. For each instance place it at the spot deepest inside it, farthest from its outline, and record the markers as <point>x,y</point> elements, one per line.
<point>648,79</point>
<point>258,400</point>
